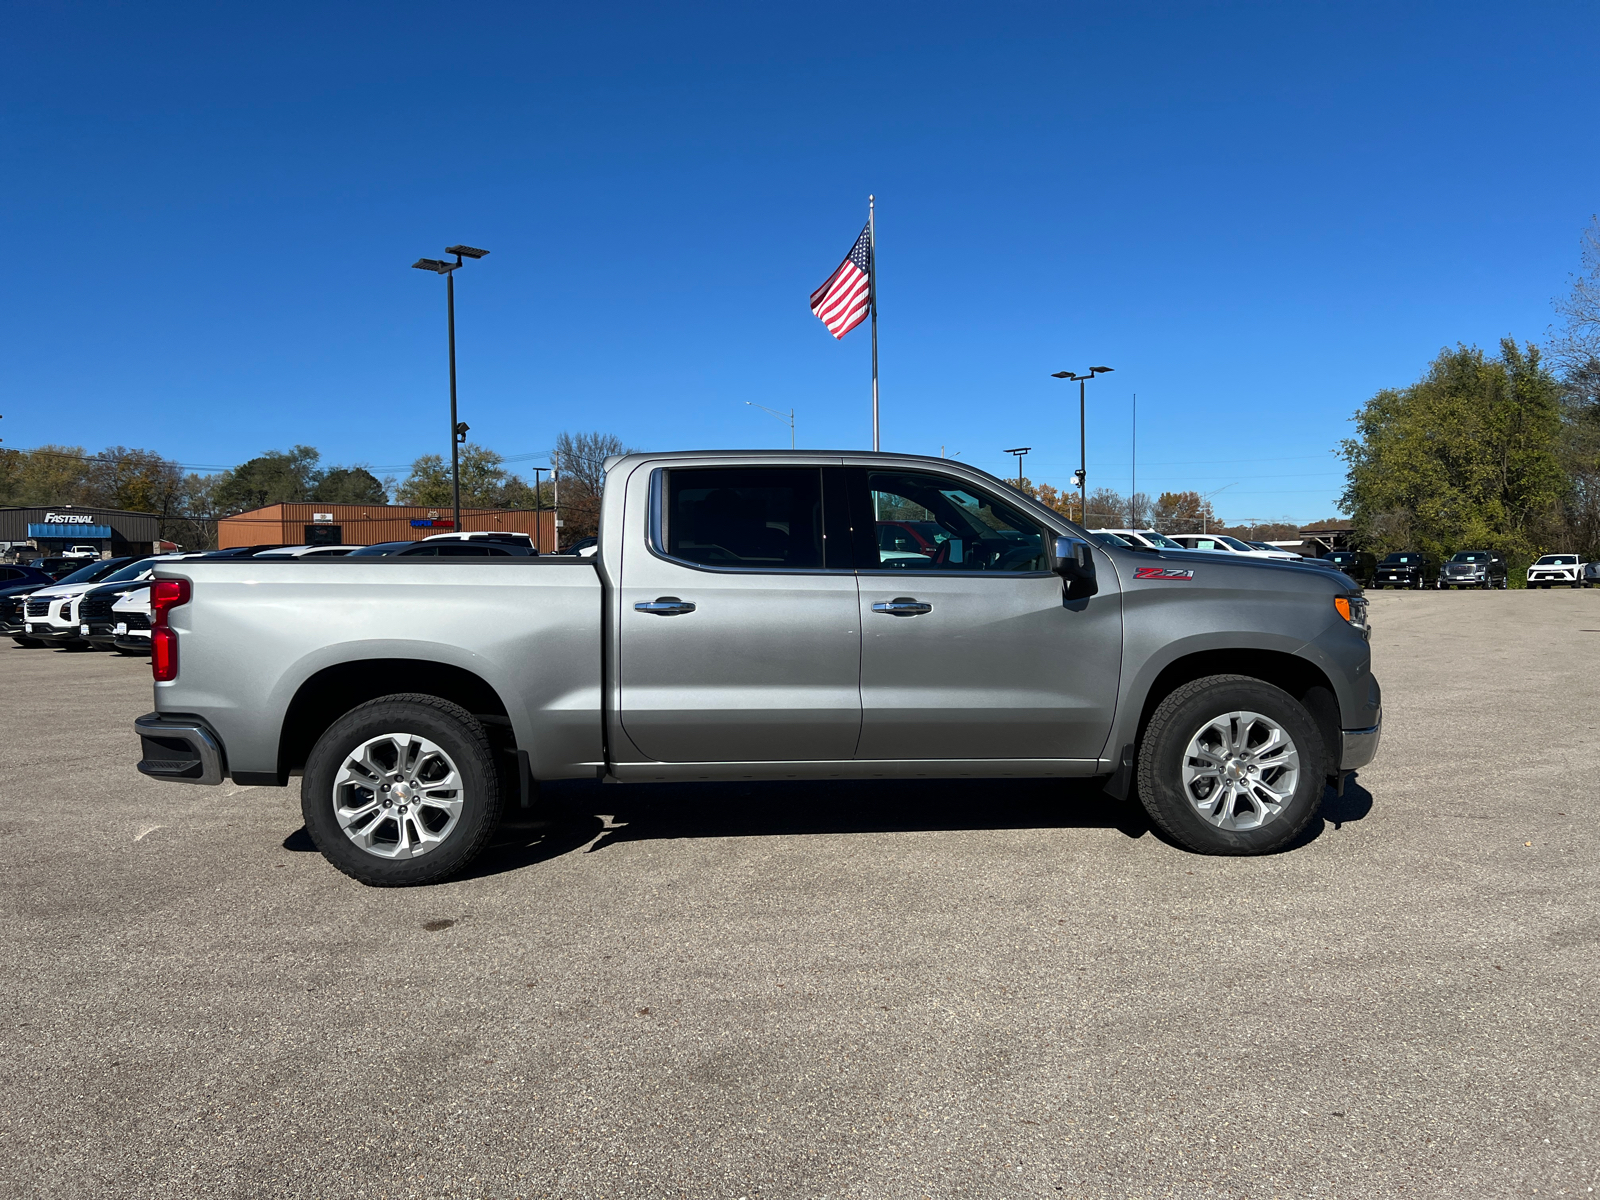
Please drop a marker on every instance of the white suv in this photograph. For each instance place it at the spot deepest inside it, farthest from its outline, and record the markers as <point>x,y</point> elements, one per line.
<point>1223,544</point>
<point>48,614</point>
<point>1566,569</point>
<point>1148,538</point>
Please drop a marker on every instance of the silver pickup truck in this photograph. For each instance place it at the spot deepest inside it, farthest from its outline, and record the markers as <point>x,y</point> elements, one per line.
<point>764,616</point>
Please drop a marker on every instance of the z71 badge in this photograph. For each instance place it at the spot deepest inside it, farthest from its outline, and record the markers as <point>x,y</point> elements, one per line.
<point>1164,573</point>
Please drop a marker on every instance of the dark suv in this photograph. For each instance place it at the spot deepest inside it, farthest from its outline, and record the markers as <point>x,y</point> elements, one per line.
<point>1475,568</point>
<point>1358,564</point>
<point>1407,569</point>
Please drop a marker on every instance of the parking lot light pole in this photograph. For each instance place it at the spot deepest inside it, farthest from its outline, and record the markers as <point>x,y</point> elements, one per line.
<point>458,429</point>
<point>789,417</point>
<point>1083,444</point>
<point>1019,452</point>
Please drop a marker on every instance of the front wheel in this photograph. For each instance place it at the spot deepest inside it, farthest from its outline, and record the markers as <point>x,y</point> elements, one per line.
<point>401,790</point>
<point>1231,765</point>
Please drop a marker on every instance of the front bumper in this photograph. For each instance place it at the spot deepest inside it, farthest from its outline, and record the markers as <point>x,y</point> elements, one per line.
<point>179,749</point>
<point>1360,746</point>
<point>97,633</point>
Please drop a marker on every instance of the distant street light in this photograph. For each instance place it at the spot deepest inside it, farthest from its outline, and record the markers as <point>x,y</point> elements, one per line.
<point>1019,452</point>
<point>780,416</point>
<point>1083,448</point>
<point>458,429</point>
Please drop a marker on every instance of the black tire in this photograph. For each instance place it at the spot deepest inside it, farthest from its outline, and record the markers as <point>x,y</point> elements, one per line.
<point>1179,717</point>
<point>455,731</point>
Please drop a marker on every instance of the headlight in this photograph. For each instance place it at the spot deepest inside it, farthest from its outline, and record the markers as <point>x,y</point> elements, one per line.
<point>1352,609</point>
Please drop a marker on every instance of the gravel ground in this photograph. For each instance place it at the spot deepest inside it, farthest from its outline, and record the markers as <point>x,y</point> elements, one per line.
<point>839,990</point>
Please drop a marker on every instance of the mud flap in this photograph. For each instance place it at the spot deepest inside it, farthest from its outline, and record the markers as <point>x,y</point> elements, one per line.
<point>1121,781</point>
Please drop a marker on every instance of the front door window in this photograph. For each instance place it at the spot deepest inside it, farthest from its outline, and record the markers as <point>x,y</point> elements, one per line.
<point>930,523</point>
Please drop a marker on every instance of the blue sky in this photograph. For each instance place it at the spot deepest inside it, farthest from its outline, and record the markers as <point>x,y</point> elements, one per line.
<point>1257,213</point>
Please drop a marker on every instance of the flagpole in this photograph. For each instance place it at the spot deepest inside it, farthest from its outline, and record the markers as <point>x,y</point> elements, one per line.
<point>872,302</point>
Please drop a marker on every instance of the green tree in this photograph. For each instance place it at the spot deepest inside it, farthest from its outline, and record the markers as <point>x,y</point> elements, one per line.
<point>47,475</point>
<point>1464,457</point>
<point>1184,512</point>
<point>485,483</point>
<point>276,477</point>
<point>350,485</point>
<point>135,480</point>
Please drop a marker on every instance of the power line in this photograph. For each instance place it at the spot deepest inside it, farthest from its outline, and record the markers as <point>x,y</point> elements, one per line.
<point>148,455</point>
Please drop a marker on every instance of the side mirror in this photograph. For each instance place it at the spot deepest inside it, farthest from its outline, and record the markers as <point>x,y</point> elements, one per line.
<point>1074,562</point>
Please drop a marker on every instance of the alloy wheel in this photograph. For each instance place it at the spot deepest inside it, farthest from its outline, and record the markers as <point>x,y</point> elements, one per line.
<point>1240,770</point>
<point>397,795</point>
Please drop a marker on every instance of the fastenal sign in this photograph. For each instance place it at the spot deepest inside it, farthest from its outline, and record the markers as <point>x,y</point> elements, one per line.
<point>322,518</point>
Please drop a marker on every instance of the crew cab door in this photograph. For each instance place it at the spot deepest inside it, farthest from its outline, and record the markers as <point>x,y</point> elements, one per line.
<point>739,633</point>
<point>968,650</point>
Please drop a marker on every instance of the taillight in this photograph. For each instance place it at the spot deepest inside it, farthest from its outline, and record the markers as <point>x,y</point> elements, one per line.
<point>165,595</point>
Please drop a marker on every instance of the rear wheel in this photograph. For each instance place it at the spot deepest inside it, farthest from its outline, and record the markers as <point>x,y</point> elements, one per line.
<point>1231,765</point>
<point>401,790</point>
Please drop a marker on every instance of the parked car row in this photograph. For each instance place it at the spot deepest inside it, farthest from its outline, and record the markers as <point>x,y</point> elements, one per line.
<point>105,603</point>
<point>1414,569</point>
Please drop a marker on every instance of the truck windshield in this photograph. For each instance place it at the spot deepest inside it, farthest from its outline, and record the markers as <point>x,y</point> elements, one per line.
<point>94,571</point>
<point>1558,560</point>
<point>1470,556</point>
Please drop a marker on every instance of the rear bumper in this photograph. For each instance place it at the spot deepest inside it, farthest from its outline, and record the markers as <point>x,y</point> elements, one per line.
<point>179,749</point>
<point>1360,746</point>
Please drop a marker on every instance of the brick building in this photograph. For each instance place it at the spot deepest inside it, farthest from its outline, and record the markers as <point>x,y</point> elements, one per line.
<point>363,524</point>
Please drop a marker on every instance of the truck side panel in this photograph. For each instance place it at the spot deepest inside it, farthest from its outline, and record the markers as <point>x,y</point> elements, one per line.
<point>256,631</point>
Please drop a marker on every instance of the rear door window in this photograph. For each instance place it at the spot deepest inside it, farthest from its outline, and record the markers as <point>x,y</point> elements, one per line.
<point>747,518</point>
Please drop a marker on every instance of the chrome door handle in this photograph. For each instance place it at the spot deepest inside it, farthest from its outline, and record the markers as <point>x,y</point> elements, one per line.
<point>665,606</point>
<point>902,606</point>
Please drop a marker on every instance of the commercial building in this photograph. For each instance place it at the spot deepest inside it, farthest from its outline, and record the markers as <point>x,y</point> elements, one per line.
<point>321,524</point>
<point>53,528</point>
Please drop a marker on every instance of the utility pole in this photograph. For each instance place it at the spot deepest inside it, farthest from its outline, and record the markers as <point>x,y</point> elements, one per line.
<point>555,498</point>
<point>538,510</point>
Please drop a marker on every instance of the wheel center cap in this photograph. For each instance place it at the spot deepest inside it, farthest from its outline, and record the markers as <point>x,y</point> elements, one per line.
<point>401,793</point>
<point>1235,771</point>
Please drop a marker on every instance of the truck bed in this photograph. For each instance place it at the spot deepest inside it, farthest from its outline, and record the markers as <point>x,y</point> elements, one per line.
<point>266,643</point>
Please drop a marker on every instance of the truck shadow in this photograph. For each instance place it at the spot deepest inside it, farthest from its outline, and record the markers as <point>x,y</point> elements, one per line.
<point>586,816</point>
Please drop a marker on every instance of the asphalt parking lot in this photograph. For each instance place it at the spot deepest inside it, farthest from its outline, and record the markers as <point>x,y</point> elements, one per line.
<point>827,990</point>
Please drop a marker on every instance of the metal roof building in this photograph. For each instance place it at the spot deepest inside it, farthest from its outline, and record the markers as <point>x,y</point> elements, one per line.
<point>321,523</point>
<point>54,527</point>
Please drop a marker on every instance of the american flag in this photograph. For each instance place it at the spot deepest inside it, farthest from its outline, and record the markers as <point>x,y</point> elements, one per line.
<point>843,301</point>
